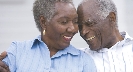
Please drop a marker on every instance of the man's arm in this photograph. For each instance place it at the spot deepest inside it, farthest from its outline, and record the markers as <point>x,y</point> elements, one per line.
<point>3,66</point>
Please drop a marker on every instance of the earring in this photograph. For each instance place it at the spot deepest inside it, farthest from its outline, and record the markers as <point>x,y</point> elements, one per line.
<point>43,32</point>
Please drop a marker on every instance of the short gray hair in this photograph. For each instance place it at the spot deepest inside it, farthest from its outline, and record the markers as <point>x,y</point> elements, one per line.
<point>45,8</point>
<point>104,8</point>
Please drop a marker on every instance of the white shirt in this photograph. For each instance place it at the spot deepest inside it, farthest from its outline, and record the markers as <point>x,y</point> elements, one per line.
<point>119,58</point>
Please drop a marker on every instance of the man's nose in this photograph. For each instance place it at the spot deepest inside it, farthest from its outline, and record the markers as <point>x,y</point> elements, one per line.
<point>84,30</point>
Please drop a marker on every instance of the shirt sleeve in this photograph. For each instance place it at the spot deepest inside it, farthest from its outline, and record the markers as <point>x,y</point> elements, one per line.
<point>10,59</point>
<point>89,65</point>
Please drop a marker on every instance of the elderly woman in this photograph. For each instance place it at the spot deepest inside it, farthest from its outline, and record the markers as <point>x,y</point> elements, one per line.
<point>51,51</point>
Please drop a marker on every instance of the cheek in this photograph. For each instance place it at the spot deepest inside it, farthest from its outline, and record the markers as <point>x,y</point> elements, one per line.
<point>57,31</point>
<point>97,31</point>
<point>77,28</point>
<point>102,36</point>
<point>98,34</point>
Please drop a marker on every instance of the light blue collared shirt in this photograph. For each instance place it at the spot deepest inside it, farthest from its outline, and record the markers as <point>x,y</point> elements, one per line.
<point>34,56</point>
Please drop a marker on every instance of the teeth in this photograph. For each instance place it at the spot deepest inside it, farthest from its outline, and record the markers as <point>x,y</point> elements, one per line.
<point>91,38</point>
<point>67,37</point>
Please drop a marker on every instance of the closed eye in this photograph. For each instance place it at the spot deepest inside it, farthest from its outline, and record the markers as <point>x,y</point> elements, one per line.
<point>64,22</point>
<point>76,22</point>
<point>90,23</point>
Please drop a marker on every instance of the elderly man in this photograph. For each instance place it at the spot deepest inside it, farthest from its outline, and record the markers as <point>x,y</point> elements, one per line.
<point>111,50</point>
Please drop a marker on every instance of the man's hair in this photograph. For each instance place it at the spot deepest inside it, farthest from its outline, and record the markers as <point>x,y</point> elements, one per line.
<point>104,8</point>
<point>45,8</point>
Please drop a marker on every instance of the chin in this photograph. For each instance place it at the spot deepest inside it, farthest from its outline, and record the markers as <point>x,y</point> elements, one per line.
<point>94,48</point>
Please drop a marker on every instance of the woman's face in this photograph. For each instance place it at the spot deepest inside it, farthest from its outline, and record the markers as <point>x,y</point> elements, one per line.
<point>62,27</point>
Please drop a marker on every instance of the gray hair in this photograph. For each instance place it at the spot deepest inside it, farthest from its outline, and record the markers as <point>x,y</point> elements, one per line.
<point>45,8</point>
<point>104,8</point>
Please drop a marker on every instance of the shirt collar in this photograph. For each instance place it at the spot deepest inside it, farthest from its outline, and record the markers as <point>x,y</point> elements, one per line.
<point>69,50</point>
<point>126,36</point>
<point>119,44</point>
<point>127,39</point>
<point>35,41</point>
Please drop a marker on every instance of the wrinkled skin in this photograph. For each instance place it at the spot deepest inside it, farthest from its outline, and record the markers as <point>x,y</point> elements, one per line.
<point>97,32</point>
<point>3,67</point>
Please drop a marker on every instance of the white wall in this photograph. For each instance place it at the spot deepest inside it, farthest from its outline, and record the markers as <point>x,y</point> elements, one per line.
<point>17,23</point>
<point>128,16</point>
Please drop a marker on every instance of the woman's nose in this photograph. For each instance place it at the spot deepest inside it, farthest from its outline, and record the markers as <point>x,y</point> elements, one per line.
<point>72,28</point>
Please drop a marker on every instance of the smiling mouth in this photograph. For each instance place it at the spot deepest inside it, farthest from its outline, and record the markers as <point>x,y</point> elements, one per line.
<point>90,38</point>
<point>67,38</point>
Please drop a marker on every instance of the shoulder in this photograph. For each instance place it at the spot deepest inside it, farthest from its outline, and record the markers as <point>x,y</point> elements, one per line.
<point>20,45</point>
<point>129,41</point>
<point>83,49</point>
<point>87,60</point>
<point>132,43</point>
<point>77,51</point>
<point>85,54</point>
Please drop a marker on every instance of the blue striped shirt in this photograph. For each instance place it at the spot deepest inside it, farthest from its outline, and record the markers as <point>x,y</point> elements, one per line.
<point>34,56</point>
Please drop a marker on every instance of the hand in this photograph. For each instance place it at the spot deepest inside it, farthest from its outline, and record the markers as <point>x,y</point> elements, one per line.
<point>3,55</point>
<point>3,67</point>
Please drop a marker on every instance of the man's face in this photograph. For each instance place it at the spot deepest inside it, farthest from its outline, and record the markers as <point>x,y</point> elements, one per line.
<point>94,30</point>
<point>63,26</point>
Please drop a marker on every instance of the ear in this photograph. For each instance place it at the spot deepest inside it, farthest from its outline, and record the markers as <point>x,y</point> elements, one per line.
<point>112,17</point>
<point>42,22</point>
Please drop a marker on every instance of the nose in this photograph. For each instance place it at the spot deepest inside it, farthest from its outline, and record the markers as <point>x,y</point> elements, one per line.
<point>72,28</point>
<point>84,30</point>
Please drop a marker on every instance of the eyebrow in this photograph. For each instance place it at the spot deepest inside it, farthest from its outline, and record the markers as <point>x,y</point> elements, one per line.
<point>88,20</point>
<point>68,17</point>
<point>64,17</point>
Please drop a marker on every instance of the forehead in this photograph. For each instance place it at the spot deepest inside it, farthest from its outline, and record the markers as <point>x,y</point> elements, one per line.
<point>88,10</point>
<point>62,9</point>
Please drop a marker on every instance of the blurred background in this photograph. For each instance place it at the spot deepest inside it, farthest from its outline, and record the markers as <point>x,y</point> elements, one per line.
<point>17,23</point>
